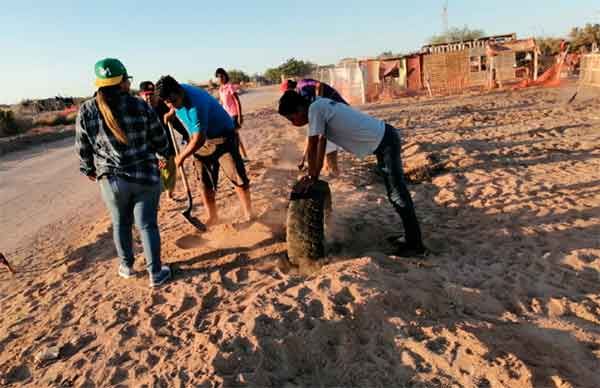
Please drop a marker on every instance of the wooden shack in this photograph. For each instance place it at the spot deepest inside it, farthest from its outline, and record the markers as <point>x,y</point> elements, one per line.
<point>456,66</point>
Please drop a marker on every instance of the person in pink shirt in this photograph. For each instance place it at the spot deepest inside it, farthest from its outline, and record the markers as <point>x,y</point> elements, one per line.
<point>232,104</point>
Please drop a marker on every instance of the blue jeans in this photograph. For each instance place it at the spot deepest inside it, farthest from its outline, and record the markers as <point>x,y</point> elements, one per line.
<point>126,202</point>
<point>390,162</point>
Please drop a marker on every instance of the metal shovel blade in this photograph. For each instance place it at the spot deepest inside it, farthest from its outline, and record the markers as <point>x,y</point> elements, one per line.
<point>196,223</point>
<point>187,213</point>
<point>4,262</point>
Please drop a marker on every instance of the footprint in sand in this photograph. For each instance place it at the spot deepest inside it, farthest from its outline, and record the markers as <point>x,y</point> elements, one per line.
<point>188,302</point>
<point>190,241</point>
<point>159,324</point>
<point>152,359</point>
<point>438,345</point>
<point>315,308</point>
<point>17,374</point>
<point>66,314</point>
<point>343,297</point>
<point>241,236</point>
<point>127,332</point>
<point>158,299</point>
<point>209,303</point>
<point>119,376</point>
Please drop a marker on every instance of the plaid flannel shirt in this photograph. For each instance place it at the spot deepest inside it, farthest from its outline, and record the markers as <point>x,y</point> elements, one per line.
<point>100,153</point>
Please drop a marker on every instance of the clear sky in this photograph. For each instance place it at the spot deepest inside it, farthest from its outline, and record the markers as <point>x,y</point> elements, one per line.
<point>49,47</point>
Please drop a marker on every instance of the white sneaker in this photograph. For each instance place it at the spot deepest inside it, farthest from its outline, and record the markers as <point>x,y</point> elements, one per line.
<point>126,272</point>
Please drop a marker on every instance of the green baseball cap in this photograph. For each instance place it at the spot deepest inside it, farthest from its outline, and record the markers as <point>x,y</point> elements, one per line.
<point>109,72</point>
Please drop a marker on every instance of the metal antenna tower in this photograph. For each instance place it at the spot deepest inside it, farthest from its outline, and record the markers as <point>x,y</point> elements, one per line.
<point>445,24</point>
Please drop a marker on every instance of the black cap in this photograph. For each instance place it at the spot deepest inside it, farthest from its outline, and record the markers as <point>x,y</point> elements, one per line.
<point>146,87</point>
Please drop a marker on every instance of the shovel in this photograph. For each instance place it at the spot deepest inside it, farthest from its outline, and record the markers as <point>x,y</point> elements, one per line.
<point>576,93</point>
<point>4,262</point>
<point>187,213</point>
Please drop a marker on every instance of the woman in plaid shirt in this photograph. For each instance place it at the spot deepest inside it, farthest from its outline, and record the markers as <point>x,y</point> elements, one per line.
<point>117,139</point>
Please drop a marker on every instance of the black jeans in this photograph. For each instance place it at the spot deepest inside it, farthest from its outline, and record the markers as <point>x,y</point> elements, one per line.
<point>390,162</point>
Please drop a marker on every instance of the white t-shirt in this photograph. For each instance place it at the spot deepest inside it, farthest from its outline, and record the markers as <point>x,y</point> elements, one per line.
<point>351,129</point>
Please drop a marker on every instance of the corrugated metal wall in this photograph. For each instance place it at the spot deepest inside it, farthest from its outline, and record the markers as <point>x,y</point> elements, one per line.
<point>590,70</point>
<point>413,73</point>
<point>347,79</point>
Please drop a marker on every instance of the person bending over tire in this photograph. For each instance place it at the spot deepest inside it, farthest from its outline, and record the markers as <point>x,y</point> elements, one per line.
<point>362,135</point>
<point>117,137</point>
<point>212,141</point>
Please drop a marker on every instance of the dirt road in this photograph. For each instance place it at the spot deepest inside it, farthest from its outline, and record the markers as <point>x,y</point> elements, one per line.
<point>41,186</point>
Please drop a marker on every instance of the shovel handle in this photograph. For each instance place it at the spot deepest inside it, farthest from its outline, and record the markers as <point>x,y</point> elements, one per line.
<point>181,169</point>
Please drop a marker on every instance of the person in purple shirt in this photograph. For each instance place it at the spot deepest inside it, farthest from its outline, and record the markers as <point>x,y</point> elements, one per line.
<point>310,89</point>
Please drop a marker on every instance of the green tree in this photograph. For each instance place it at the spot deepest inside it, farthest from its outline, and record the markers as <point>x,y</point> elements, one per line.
<point>584,36</point>
<point>273,75</point>
<point>548,46</point>
<point>389,54</point>
<point>237,76</point>
<point>8,125</point>
<point>456,34</point>
<point>289,69</point>
<point>296,68</point>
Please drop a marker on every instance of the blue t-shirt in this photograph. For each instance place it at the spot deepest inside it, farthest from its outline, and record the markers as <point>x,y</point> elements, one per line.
<point>203,113</point>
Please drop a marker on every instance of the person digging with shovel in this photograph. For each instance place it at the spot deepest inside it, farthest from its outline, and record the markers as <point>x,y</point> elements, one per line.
<point>212,141</point>
<point>362,135</point>
<point>117,137</point>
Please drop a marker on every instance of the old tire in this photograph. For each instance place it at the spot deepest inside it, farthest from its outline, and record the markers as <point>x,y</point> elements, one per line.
<point>305,233</point>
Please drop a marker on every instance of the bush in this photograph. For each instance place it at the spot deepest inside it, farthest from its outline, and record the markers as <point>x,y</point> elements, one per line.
<point>296,68</point>
<point>585,37</point>
<point>53,119</point>
<point>292,68</point>
<point>237,76</point>
<point>48,120</point>
<point>548,46</point>
<point>70,118</point>
<point>8,124</point>
<point>456,34</point>
<point>273,75</point>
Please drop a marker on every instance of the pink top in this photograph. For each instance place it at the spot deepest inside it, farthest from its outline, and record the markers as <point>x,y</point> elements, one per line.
<point>227,95</point>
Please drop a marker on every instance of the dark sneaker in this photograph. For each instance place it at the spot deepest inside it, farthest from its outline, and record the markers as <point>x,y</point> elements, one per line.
<point>126,272</point>
<point>161,277</point>
<point>405,250</point>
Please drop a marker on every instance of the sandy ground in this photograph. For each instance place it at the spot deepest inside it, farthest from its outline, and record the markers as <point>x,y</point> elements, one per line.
<point>509,298</point>
<point>41,190</point>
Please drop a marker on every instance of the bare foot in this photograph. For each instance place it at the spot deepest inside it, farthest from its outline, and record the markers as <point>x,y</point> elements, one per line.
<point>244,222</point>
<point>248,217</point>
<point>211,221</point>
